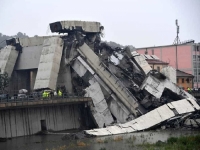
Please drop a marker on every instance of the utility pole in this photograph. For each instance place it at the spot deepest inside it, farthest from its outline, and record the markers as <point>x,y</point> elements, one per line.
<point>197,63</point>
<point>177,41</point>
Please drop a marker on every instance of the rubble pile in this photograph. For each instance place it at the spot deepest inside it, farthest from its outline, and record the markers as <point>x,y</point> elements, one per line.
<point>124,88</point>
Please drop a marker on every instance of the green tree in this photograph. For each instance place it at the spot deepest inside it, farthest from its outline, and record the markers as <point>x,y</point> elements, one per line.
<point>4,82</point>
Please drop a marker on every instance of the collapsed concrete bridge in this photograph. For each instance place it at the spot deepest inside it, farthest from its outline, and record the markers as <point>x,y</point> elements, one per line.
<point>121,90</point>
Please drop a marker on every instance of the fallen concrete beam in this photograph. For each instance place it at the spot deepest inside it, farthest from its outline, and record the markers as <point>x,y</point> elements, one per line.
<point>100,112</point>
<point>114,105</point>
<point>124,95</point>
<point>141,62</point>
<point>150,119</point>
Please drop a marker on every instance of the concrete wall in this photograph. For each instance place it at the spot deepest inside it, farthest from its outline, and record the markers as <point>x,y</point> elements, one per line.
<point>27,121</point>
<point>29,58</point>
<point>8,57</point>
<point>64,75</point>
<point>33,74</point>
<point>22,79</point>
<point>49,63</point>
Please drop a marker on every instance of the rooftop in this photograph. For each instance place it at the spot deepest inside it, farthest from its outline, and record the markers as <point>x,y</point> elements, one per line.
<point>180,73</point>
<point>186,43</point>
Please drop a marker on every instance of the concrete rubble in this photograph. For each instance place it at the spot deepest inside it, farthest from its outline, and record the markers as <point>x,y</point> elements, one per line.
<point>125,91</point>
<point>151,119</point>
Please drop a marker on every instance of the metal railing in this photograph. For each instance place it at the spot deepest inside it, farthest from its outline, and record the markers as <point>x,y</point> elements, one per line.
<point>35,97</point>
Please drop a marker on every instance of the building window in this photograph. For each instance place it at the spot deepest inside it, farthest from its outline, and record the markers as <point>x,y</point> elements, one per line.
<point>188,81</point>
<point>182,80</point>
<point>194,57</point>
<point>194,64</point>
<point>194,48</point>
<point>177,80</point>
<point>195,79</point>
<point>158,68</point>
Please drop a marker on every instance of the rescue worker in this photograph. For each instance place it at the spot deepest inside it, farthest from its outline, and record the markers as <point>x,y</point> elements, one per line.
<point>189,90</point>
<point>45,94</point>
<point>59,93</point>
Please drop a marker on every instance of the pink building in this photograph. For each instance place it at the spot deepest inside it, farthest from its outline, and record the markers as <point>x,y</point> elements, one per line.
<point>186,58</point>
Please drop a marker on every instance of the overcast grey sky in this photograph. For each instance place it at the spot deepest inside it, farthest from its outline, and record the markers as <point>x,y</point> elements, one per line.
<point>129,22</point>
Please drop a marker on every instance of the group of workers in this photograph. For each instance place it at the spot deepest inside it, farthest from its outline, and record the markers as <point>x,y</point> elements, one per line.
<point>47,93</point>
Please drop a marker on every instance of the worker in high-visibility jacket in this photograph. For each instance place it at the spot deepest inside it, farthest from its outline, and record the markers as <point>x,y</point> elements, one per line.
<point>45,94</point>
<point>59,93</point>
<point>189,90</point>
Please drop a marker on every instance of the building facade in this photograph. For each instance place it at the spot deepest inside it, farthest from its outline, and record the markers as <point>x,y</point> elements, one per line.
<point>184,57</point>
<point>184,80</point>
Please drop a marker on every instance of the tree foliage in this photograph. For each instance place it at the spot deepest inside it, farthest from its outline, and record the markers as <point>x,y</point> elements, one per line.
<point>4,82</point>
<point>3,38</point>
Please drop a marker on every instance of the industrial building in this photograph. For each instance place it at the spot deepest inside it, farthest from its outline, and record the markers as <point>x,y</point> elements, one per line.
<point>184,57</point>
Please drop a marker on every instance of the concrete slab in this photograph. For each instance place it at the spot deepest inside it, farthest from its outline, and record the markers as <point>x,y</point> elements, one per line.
<point>100,105</point>
<point>169,72</point>
<point>49,63</point>
<point>8,57</point>
<point>148,120</point>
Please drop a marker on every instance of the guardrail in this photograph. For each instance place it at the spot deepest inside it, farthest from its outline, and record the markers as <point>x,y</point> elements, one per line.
<point>36,97</point>
<point>43,102</point>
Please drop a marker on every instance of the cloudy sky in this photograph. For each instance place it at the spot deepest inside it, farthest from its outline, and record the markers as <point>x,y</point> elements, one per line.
<point>129,22</point>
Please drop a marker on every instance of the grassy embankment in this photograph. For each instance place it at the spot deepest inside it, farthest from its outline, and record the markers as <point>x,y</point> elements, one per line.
<point>174,143</point>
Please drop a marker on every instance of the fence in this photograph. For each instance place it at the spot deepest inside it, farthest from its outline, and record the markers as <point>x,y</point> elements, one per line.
<point>36,96</point>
